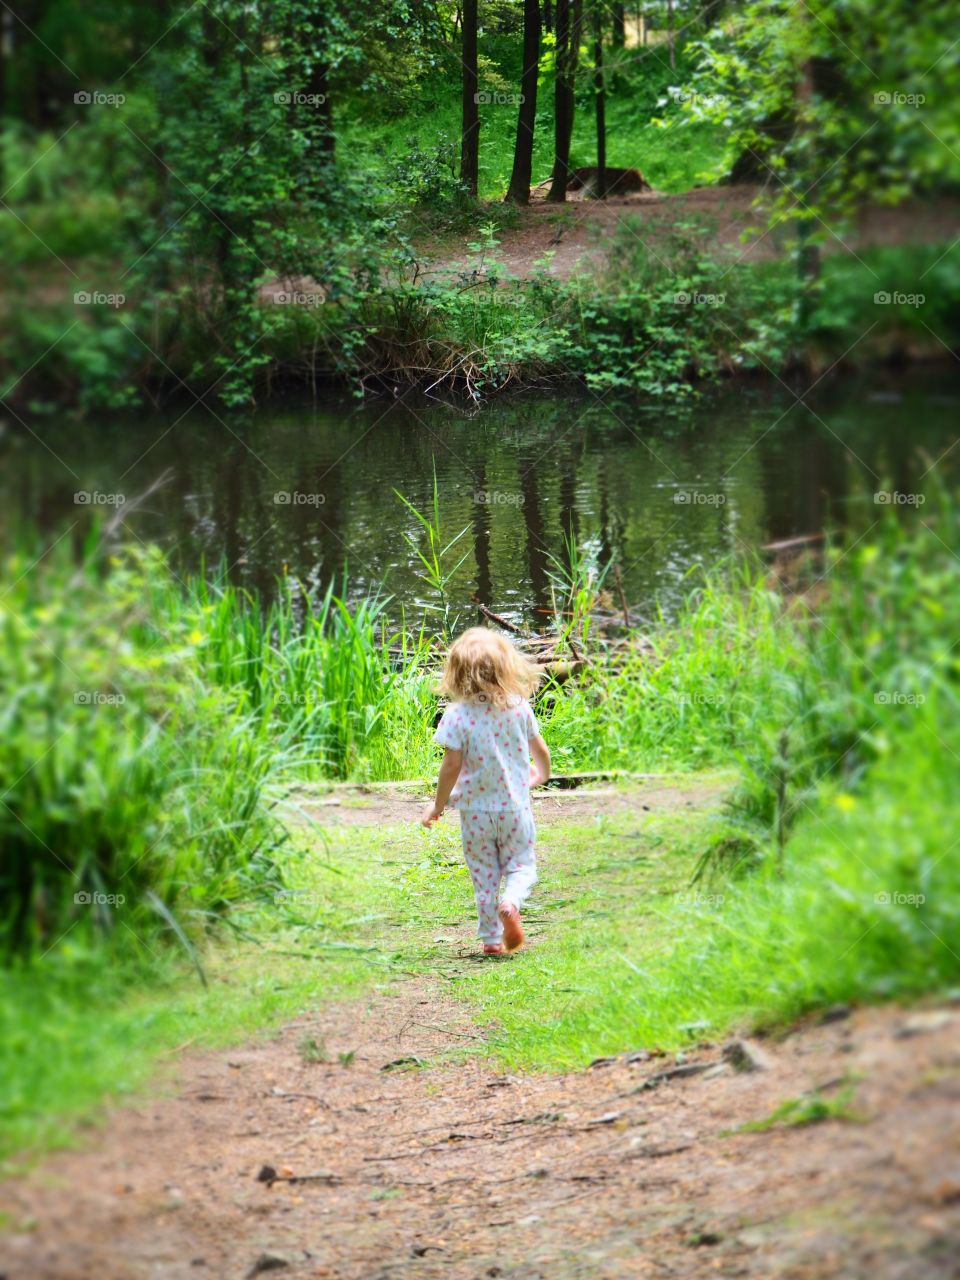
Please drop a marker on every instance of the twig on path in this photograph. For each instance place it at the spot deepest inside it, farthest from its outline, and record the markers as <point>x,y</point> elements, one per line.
<point>180,1047</point>
<point>435,1026</point>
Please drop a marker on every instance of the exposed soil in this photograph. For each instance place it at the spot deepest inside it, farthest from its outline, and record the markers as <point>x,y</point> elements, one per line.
<point>446,1167</point>
<point>373,806</point>
<point>734,229</point>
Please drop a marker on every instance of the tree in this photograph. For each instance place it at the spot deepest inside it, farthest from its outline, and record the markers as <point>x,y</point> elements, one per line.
<point>563,104</point>
<point>600,102</point>
<point>620,25</point>
<point>470,126</point>
<point>519,189</point>
<point>567,58</point>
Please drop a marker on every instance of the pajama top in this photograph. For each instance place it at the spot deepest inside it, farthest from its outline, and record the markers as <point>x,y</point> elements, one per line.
<point>495,773</point>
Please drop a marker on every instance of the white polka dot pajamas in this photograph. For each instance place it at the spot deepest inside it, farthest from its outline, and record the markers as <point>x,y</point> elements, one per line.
<point>493,796</point>
<point>498,846</point>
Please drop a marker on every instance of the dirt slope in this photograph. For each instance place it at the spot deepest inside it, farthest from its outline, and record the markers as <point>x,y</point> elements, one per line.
<point>581,234</point>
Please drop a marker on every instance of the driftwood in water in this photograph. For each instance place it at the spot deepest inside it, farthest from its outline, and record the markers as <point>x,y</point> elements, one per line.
<point>791,544</point>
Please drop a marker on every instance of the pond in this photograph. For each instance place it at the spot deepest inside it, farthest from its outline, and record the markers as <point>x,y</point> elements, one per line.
<point>312,487</point>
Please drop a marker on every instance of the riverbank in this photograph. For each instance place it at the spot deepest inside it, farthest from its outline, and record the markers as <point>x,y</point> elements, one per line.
<point>650,302</point>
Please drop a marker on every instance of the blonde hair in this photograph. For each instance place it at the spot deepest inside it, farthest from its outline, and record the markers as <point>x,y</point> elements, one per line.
<point>482,663</point>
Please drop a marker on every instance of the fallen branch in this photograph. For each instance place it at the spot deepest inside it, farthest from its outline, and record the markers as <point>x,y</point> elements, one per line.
<point>497,618</point>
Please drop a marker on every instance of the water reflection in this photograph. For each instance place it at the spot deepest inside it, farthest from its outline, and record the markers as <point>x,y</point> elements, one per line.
<point>313,487</point>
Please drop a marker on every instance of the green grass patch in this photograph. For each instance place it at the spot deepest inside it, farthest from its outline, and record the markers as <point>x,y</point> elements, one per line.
<point>797,1113</point>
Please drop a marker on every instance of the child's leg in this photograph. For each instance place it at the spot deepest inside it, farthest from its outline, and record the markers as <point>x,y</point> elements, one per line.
<point>478,831</point>
<point>518,858</point>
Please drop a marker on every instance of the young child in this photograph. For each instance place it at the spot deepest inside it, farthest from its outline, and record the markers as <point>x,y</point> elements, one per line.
<point>489,734</point>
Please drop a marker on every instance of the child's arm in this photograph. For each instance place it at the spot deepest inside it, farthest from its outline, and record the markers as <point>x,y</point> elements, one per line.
<point>541,761</point>
<point>449,772</point>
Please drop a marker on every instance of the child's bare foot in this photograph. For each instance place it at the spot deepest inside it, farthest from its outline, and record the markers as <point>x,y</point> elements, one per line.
<point>512,928</point>
<point>493,948</point>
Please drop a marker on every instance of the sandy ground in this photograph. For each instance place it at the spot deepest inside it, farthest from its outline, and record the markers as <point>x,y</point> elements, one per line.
<point>418,1164</point>
<point>579,235</point>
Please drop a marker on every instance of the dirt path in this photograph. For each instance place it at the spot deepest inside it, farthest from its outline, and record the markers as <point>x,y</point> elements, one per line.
<point>580,234</point>
<point>445,1167</point>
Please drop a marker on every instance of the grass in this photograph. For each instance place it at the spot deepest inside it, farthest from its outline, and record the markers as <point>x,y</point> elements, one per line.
<point>797,1113</point>
<point>84,1024</point>
<point>826,876</point>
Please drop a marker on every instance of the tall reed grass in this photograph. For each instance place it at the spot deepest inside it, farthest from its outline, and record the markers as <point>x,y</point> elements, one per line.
<point>147,723</point>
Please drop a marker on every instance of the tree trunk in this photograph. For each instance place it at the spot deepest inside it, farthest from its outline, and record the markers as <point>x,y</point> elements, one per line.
<point>600,98</point>
<point>620,26</point>
<point>470,123</point>
<point>519,189</point>
<point>563,105</point>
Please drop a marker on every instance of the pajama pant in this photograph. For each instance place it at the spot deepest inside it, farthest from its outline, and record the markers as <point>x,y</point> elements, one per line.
<point>498,845</point>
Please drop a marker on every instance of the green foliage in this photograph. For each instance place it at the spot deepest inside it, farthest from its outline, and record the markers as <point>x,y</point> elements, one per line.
<point>835,106</point>
<point>123,773</point>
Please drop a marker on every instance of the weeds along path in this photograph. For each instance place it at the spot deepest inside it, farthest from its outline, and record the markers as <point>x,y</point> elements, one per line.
<point>388,1147</point>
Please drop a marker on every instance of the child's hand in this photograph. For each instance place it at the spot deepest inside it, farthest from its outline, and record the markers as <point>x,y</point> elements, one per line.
<point>430,815</point>
<point>535,778</point>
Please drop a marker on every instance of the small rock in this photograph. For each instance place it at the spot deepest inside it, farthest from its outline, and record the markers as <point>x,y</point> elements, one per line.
<point>267,1262</point>
<point>609,1117</point>
<point>835,1013</point>
<point>267,1173</point>
<point>700,1238</point>
<point>744,1055</point>
<point>601,1062</point>
<point>921,1024</point>
<point>400,1064</point>
<point>641,1055</point>
<point>947,1191</point>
